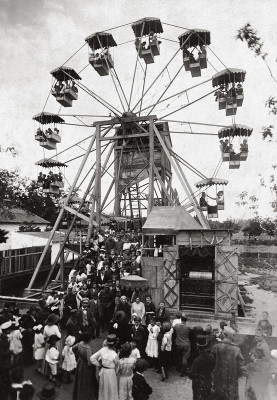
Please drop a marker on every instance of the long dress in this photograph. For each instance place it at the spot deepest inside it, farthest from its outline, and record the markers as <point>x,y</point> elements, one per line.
<point>152,343</point>
<point>85,385</point>
<point>139,309</point>
<point>47,332</point>
<point>108,385</point>
<point>125,378</point>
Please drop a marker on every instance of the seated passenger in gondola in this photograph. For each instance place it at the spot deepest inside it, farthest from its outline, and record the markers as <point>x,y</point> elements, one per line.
<point>192,58</point>
<point>52,177</point>
<point>59,177</point>
<point>46,182</point>
<point>220,198</point>
<point>40,179</point>
<point>74,87</point>
<point>48,132</point>
<point>56,131</point>
<point>239,89</point>
<point>219,93</point>
<point>233,91</point>
<point>58,86</point>
<point>203,201</point>
<point>221,146</point>
<point>203,49</point>
<point>226,148</point>
<point>40,133</point>
<point>244,146</point>
<point>231,150</point>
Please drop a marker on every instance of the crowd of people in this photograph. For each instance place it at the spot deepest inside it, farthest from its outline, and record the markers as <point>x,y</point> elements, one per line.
<point>60,337</point>
<point>61,87</point>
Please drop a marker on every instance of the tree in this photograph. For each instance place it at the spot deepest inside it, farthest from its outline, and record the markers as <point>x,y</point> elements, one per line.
<point>24,193</point>
<point>253,228</point>
<point>229,224</point>
<point>249,35</point>
<point>269,226</point>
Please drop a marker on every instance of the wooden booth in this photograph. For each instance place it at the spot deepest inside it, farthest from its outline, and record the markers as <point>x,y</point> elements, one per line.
<point>198,268</point>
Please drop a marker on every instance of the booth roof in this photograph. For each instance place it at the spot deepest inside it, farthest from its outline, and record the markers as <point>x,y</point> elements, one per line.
<point>166,220</point>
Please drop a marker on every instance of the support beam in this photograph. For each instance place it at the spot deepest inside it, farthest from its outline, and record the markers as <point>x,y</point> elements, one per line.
<point>151,166</point>
<point>163,186</point>
<point>200,216</point>
<point>78,214</point>
<point>98,176</point>
<point>55,227</point>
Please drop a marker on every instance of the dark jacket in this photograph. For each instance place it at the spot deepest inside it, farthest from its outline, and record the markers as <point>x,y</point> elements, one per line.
<point>95,308</point>
<point>163,317</point>
<point>139,335</point>
<point>73,329</point>
<point>141,390</point>
<point>200,374</point>
<point>91,323</point>
<point>149,308</point>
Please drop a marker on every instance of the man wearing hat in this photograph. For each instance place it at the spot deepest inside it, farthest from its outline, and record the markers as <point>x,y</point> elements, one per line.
<point>106,297</point>
<point>86,321</point>
<point>96,310</point>
<point>72,325</point>
<point>228,368</point>
<point>200,371</point>
<point>120,328</point>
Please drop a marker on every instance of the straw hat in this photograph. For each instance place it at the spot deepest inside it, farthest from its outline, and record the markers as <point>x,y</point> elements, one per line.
<point>52,319</point>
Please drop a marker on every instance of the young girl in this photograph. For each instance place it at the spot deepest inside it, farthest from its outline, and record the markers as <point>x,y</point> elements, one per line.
<point>52,356</point>
<point>166,348</point>
<point>39,346</point>
<point>15,346</point>
<point>125,372</point>
<point>69,359</point>
<point>134,351</point>
<point>152,343</point>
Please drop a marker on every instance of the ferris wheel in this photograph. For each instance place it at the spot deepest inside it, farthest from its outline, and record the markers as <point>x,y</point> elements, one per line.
<point>133,143</point>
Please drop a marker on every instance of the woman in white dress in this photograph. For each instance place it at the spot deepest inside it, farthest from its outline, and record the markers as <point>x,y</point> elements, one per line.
<point>107,359</point>
<point>51,328</point>
<point>125,373</point>
<point>138,308</point>
<point>152,343</point>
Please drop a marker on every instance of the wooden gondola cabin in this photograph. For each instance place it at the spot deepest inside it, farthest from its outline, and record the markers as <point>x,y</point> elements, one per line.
<point>65,89</point>
<point>100,58</point>
<point>48,137</point>
<point>199,268</point>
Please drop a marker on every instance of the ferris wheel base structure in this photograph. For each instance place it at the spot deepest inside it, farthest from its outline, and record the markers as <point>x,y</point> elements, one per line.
<point>142,151</point>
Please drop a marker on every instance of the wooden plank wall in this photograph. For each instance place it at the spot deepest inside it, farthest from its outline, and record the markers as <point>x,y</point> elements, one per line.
<point>153,271</point>
<point>202,238</point>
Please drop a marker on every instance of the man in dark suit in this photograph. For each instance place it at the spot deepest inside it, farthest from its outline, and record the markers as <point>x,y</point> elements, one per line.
<point>150,309</point>
<point>138,333</point>
<point>141,390</point>
<point>96,310</point>
<point>86,321</point>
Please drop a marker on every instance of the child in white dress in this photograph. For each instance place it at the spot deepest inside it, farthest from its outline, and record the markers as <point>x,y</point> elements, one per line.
<point>69,359</point>
<point>135,351</point>
<point>39,346</point>
<point>152,343</point>
<point>52,356</point>
<point>15,346</point>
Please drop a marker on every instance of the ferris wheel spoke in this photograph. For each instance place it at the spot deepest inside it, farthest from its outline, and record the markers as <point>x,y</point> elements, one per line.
<point>189,104</point>
<point>157,77</point>
<point>166,89</point>
<point>176,94</point>
<point>143,86</point>
<point>135,70</point>
<point>95,96</point>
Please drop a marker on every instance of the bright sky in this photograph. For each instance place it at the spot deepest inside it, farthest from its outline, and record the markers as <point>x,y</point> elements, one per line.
<point>41,35</point>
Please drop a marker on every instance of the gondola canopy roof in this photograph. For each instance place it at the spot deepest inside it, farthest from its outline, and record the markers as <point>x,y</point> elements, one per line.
<point>211,182</point>
<point>65,73</point>
<point>230,75</point>
<point>50,163</point>
<point>235,130</point>
<point>148,24</point>
<point>100,40</point>
<point>195,37</point>
<point>48,118</point>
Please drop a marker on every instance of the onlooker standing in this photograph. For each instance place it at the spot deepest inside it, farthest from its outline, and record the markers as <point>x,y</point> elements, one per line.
<point>39,346</point>
<point>52,356</point>
<point>138,308</point>
<point>200,371</point>
<point>182,344</point>
<point>125,372</point>
<point>166,348</point>
<point>69,359</point>
<point>228,368</point>
<point>162,315</point>
<point>150,309</point>
<point>264,325</point>
<point>141,390</point>
<point>85,319</point>
<point>152,346</point>
<point>96,310</point>
<point>138,334</point>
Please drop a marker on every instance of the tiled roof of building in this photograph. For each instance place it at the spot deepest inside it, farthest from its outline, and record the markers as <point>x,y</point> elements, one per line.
<point>20,216</point>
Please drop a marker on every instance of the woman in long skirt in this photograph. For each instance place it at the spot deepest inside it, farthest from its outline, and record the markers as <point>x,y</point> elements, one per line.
<point>107,359</point>
<point>85,383</point>
<point>125,372</point>
<point>51,328</point>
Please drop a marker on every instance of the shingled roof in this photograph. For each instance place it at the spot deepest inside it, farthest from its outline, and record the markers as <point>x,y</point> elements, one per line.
<point>167,220</point>
<point>19,216</point>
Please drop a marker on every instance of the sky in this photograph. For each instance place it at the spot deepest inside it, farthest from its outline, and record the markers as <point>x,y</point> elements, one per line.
<point>42,35</point>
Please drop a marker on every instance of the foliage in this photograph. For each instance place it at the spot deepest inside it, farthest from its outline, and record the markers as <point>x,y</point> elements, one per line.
<point>253,228</point>
<point>229,224</point>
<point>3,236</point>
<point>19,192</point>
<point>250,36</point>
<point>29,227</point>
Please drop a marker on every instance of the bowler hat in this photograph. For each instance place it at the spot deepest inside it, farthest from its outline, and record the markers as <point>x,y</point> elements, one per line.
<point>201,341</point>
<point>47,392</point>
<point>111,339</point>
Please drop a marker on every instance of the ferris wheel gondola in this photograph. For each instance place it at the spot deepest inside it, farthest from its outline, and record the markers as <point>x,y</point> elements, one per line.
<point>227,147</point>
<point>146,29</point>
<point>230,92</point>
<point>65,90</point>
<point>100,58</point>
<point>53,182</point>
<point>191,42</point>
<point>217,196</point>
<point>49,137</point>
